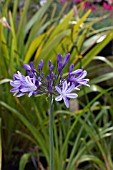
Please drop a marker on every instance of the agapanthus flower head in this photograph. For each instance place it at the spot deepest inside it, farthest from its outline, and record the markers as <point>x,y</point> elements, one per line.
<point>53,84</point>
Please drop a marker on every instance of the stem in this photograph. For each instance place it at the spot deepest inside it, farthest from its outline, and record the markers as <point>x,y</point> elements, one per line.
<point>51,135</point>
<point>0,146</point>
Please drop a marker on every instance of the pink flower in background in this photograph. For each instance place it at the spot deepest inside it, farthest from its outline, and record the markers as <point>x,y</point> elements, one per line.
<point>78,1</point>
<point>88,5</point>
<point>93,7</point>
<point>63,1</point>
<point>91,4</point>
<point>107,7</point>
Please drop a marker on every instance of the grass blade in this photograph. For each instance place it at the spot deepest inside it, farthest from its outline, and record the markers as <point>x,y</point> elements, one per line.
<point>30,127</point>
<point>37,17</point>
<point>24,160</point>
<point>94,51</point>
<point>0,146</point>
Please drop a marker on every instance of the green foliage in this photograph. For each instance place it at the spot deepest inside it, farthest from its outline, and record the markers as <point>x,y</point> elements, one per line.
<point>81,137</point>
<point>24,160</point>
<point>0,145</point>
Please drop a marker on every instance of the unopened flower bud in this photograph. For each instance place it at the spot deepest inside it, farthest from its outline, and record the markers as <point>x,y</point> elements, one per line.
<point>4,22</point>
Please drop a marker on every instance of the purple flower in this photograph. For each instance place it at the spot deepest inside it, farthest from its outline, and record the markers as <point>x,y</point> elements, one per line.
<point>50,78</point>
<point>30,69</point>
<point>71,68</point>
<point>40,66</point>
<point>66,59</point>
<point>65,93</point>
<point>59,64</point>
<point>59,58</point>
<point>22,85</point>
<point>32,66</point>
<point>29,86</point>
<point>18,79</point>
<point>36,82</point>
<point>77,78</point>
<point>27,67</point>
<point>59,61</point>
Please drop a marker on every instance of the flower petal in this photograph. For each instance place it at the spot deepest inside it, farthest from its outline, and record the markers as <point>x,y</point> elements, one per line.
<point>28,80</point>
<point>66,102</point>
<point>40,66</point>
<point>66,59</point>
<point>30,94</point>
<point>59,57</point>
<point>58,89</point>
<point>71,95</point>
<point>25,89</point>
<point>83,81</point>
<point>83,74</point>
<point>19,95</point>
<point>58,98</point>
<point>76,72</point>
<point>27,67</point>
<point>71,68</point>
<point>15,83</point>
<point>14,90</point>
<point>70,89</point>
<point>65,86</point>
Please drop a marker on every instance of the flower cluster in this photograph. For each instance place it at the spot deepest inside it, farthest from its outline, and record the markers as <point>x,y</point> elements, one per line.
<point>107,5</point>
<point>54,83</point>
<point>92,4</point>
